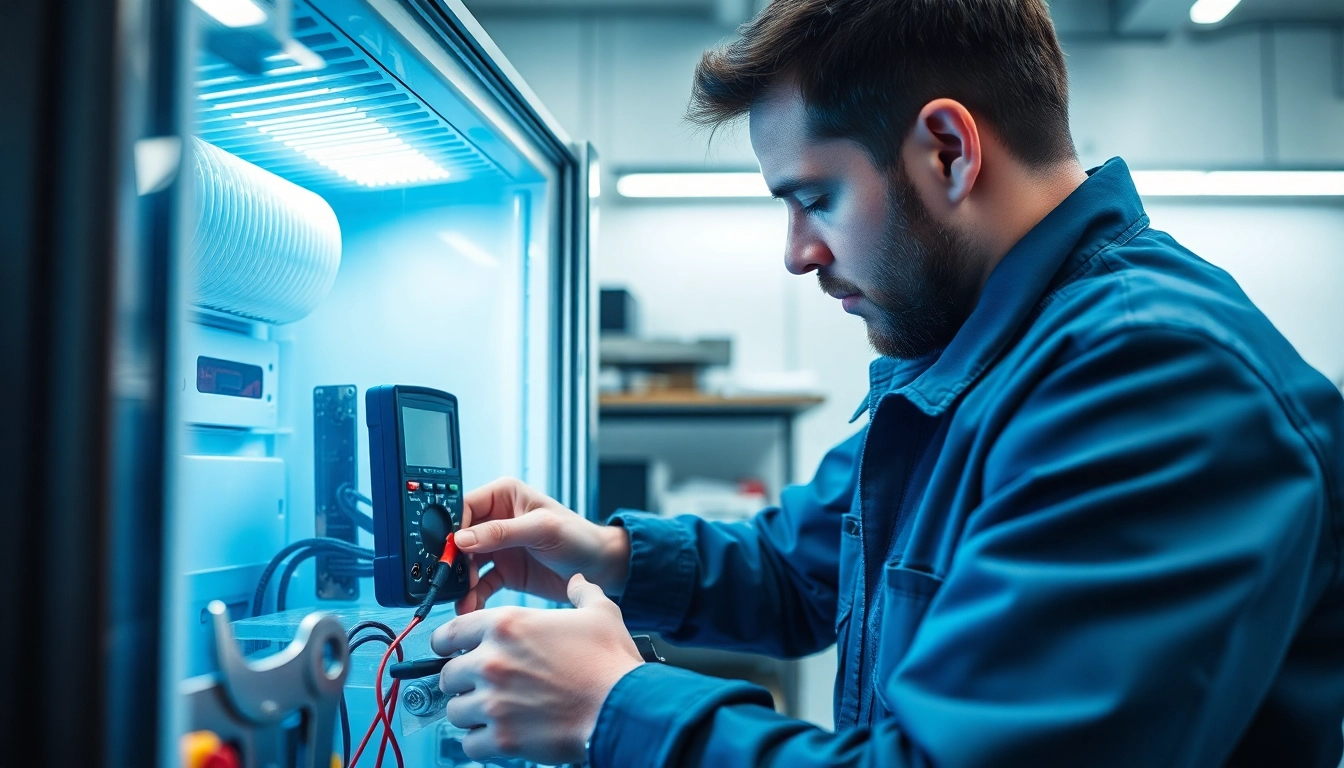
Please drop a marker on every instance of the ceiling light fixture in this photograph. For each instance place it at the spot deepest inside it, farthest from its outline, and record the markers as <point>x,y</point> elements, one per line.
<point>1211,11</point>
<point>233,13</point>
<point>1240,183</point>
<point>672,185</point>
<point>1150,184</point>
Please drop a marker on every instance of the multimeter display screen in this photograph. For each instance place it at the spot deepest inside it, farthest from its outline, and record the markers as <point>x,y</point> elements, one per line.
<point>428,438</point>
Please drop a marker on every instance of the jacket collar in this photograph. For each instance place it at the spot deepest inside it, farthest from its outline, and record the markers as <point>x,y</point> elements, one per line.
<point>1104,209</point>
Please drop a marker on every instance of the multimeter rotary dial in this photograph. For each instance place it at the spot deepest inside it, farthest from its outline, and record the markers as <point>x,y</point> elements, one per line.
<point>432,523</point>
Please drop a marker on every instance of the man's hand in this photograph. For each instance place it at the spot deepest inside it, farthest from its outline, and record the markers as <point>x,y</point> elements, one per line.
<point>535,544</point>
<point>533,681</point>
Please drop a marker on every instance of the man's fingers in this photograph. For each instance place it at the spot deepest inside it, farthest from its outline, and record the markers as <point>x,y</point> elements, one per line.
<point>497,499</point>
<point>489,584</point>
<point>585,594</point>
<point>530,530</point>
<point>465,711</point>
<point>478,564</point>
<point>460,675</point>
<point>480,744</point>
<point>462,633</point>
<point>467,603</point>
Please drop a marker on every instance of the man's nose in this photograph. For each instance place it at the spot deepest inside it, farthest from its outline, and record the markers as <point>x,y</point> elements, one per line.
<point>803,255</point>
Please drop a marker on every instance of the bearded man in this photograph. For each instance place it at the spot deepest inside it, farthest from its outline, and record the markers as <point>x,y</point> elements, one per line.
<point>1094,517</point>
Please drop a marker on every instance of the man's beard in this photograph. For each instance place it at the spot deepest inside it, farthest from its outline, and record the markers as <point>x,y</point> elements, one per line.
<point>920,285</point>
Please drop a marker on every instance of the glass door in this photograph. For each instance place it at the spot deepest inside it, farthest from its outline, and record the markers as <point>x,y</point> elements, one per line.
<point>367,198</point>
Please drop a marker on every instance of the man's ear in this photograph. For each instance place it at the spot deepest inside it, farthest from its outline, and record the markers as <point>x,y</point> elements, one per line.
<point>942,153</point>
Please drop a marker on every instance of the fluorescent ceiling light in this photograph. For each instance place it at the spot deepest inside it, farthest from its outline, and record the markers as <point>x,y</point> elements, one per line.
<point>233,13</point>
<point>1211,11</point>
<point>1149,183</point>
<point>749,184</point>
<point>1240,183</point>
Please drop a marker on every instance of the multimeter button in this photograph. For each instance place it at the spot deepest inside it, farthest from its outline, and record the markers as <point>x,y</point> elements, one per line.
<point>440,487</point>
<point>412,485</point>
<point>453,487</point>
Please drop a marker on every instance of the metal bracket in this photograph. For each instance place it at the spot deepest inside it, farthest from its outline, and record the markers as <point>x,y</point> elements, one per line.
<point>249,704</point>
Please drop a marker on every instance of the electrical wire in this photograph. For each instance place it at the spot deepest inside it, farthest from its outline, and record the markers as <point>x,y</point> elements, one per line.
<point>346,500</point>
<point>443,569</point>
<point>345,710</point>
<point>282,585</point>
<point>336,545</point>
<point>357,496</point>
<point>390,703</point>
<point>370,624</point>
<point>388,635</point>
<point>384,716</point>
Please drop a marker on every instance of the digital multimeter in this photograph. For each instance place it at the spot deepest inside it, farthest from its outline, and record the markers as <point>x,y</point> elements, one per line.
<point>417,491</point>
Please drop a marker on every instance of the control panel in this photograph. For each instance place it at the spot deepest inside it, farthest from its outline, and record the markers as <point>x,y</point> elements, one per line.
<point>417,491</point>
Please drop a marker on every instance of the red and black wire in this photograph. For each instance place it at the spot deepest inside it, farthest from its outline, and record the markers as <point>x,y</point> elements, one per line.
<point>387,706</point>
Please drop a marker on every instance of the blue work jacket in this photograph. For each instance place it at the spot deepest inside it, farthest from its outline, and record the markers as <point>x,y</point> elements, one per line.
<point>1102,527</point>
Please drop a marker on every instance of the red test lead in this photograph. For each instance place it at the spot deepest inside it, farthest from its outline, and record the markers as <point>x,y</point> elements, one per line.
<point>387,706</point>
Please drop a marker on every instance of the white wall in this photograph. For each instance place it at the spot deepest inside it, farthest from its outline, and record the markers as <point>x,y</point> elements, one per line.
<point>716,268</point>
<point>1288,258</point>
<point>1188,101</point>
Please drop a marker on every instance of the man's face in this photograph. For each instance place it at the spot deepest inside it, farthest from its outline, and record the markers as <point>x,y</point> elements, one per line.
<point>871,240</point>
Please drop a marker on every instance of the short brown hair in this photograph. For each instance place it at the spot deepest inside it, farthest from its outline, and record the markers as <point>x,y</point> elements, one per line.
<point>866,68</point>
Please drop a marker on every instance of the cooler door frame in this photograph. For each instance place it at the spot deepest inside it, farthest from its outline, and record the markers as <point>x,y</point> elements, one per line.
<point>84,283</point>
<point>573,464</point>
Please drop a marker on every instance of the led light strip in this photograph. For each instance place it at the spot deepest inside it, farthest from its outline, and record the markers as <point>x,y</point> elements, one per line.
<point>351,143</point>
<point>1149,183</point>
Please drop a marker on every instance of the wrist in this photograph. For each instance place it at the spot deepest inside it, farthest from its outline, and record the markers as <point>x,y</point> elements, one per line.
<point>605,683</point>
<point>615,558</point>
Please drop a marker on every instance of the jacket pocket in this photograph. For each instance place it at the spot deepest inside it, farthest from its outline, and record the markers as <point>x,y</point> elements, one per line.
<point>906,595</point>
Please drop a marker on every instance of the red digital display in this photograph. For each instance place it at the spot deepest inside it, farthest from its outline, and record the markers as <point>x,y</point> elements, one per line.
<point>228,377</point>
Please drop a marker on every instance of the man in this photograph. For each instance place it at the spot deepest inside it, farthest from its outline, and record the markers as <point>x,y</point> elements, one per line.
<point>1095,515</point>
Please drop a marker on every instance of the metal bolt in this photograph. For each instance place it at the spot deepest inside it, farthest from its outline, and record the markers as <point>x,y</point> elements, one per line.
<point>422,698</point>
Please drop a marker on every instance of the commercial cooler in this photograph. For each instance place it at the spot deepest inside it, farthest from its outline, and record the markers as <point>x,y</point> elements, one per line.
<point>231,220</point>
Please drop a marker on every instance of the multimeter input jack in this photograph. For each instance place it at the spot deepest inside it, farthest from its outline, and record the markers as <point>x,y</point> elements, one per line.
<point>415,571</point>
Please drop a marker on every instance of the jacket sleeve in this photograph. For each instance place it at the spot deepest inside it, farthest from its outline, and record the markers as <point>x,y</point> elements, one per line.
<point>1152,528</point>
<point>734,585</point>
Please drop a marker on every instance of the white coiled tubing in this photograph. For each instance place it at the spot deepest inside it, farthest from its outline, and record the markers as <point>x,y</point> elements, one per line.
<point>263,247</point>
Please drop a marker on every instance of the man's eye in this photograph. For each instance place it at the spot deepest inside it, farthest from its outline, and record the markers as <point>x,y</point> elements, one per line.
<point>817,205</point>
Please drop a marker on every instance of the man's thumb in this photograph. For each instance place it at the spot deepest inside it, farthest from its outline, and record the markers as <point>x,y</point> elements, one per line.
<point>583,593</point>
